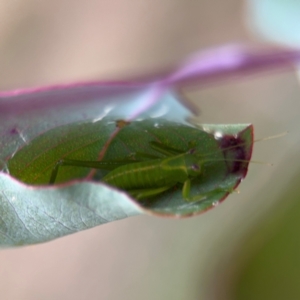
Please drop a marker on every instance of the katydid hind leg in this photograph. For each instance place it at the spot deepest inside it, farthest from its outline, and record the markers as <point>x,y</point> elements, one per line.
<point>69,162</point>
<point>101,165</point>
<point>148,193</point>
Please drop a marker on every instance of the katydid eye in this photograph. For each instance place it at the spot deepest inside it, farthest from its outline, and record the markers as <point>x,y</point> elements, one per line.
<point>195,167</point>
<point>192,151</point>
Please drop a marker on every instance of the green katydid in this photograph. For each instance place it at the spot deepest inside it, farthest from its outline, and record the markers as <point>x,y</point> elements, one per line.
<point>145,179</point>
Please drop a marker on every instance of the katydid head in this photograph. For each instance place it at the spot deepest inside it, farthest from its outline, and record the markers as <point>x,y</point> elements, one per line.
<point>192,164</point>
<point>233,152</point>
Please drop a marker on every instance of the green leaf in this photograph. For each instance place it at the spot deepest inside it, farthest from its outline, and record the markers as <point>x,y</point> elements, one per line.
<point>34,215</point>
<point>36,212</point>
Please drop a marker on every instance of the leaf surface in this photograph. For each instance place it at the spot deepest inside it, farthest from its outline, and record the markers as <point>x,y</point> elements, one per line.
<point>36,212</point>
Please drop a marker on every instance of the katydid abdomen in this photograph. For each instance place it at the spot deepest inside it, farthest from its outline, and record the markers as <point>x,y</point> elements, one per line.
<point>154,173</point>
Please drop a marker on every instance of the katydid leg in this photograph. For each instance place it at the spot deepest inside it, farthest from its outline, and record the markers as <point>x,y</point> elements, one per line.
<point>159,147</point>
<point>186,193</point>
<point>145,193</point>
<point>103,165</point>
<point>164,149</point>
<point>186,190</point>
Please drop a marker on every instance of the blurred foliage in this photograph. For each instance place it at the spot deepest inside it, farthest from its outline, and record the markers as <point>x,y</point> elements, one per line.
<point>272,270</point>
